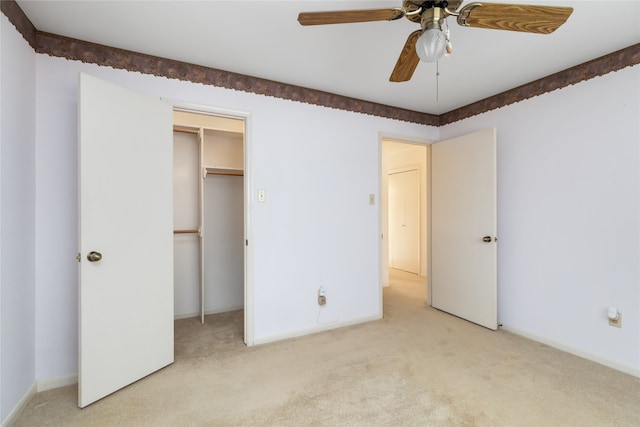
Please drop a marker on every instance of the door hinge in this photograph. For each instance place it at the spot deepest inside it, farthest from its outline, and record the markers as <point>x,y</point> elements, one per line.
<point>246,242</point>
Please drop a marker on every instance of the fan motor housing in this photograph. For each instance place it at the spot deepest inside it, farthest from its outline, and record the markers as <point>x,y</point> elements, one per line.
<point>410,6</point>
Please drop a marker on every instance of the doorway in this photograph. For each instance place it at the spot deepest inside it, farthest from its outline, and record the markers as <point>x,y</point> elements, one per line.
<point>404,202</point>
<point>210,215</point>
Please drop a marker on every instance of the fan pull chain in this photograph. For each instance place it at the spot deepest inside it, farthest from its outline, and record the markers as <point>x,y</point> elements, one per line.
<point>437,81</point>
<point>447,52</point>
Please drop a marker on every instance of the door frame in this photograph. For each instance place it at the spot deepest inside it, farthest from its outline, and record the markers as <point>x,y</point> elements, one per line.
<point>248,249</point>
<point>383,217</point>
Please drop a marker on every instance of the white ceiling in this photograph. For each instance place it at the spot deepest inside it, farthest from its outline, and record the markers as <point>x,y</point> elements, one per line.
<point>264,39</point>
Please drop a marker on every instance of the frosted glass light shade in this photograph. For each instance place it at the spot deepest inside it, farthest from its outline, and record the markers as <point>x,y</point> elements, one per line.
<point>431,44</point>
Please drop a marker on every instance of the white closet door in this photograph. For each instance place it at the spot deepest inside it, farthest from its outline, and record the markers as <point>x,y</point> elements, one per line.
<point>404,220</point>
<point>126,215</point>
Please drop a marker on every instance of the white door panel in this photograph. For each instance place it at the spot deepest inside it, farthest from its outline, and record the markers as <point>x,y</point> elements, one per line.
<point>464,267</point>
<point>404,220</point>
<point>126,214</point>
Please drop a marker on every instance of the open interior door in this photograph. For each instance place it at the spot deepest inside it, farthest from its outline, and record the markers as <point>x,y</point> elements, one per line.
<point>125,237</point>
<point>464,227</point>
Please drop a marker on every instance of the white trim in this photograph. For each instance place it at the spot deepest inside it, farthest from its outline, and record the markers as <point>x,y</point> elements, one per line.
<point>58,382</point>
<point>248,248</point>
<point>383,280</point>
<point>207,109</point>
<point>393,137</point>
<point>13,416</point>
<point>407,168</point>
<point>208,312</point>
<point>37,387</point>
<point>315,329</point>
<point>429,232</point>
<point>575,351</point>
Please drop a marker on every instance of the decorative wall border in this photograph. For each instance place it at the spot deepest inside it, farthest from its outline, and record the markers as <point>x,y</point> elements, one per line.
<point>17,17</point>
<point>73,49</point>
<point>606,64</point>
<point>55,45</point>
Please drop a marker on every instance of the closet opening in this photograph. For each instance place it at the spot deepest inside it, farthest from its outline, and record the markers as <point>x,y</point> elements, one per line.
<point>209,215</point>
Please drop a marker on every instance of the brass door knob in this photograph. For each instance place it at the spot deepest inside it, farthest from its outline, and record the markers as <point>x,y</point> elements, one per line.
<point>486,239</point>
<point>94,256</point>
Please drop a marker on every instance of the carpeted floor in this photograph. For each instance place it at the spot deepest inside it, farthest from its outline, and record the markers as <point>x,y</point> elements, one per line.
<point>416,367</point>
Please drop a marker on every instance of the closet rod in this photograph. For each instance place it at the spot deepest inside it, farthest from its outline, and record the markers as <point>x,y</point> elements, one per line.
<point>185,130</point>
<point>186,231</point>
<point>225,173</point>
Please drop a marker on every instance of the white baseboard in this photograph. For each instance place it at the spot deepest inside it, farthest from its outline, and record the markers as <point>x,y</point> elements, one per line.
<point>37,387</point>
<point>575,351</point>
<point>314,329</point>
<point>207,312</point>
<point>52,383</point>
<point>12,418</point>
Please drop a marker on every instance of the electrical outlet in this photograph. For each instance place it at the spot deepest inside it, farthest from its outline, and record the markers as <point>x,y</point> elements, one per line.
<point>322,296</point>
<point>617,322</point>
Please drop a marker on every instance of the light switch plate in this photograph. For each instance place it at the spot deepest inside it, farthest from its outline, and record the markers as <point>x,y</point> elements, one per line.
<point>262,196</point>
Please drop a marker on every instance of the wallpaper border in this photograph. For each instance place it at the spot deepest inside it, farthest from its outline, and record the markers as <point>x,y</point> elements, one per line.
<point>73,49</point>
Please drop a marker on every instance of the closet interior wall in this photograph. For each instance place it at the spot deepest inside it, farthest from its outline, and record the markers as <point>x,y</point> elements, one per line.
<point>208,214</point>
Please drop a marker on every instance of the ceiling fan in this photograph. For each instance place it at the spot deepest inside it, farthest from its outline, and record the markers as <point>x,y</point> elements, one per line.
<point>430,41</point>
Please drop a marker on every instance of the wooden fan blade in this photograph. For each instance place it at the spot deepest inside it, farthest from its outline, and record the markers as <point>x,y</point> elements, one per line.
<point>514,17</point>
<point>348,16</point>
<point>408,60</point>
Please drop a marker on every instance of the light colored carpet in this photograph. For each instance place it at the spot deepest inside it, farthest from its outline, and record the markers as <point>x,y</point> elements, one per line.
<point>416,367</point>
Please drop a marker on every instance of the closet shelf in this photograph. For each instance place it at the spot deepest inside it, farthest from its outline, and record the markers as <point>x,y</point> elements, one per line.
<point>223,171</point>
<point>194,231</point>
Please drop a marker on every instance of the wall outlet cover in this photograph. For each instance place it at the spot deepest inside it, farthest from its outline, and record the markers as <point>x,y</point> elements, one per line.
<point>616,322</point>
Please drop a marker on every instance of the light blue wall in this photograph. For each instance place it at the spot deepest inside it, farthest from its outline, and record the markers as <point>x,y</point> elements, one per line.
<point>569,216</point>
<point>17,212</point>
<point>318,166</point>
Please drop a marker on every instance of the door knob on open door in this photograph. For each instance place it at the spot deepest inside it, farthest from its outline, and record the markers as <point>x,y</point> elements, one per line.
<point>486,239</point>
<point>94,256</point>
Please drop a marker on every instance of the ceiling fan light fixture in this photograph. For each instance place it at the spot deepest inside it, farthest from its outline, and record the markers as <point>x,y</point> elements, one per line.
<point>431,45</point>
<point>430,42</point>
